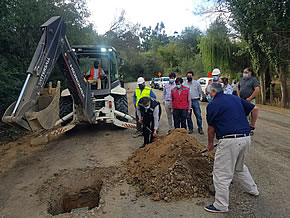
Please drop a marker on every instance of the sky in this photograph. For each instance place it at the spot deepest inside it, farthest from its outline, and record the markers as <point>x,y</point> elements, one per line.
<point>175,14</point>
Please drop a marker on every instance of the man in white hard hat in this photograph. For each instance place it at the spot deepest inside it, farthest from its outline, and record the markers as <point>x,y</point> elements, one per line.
<point>141,91</point>
<point>216,73</point>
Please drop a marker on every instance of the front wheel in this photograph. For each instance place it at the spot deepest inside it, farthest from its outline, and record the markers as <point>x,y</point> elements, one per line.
<point>121,104</point>
<point>66,107</point>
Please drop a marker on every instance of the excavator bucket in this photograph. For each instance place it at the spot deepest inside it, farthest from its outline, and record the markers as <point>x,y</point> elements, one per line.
<point>43,114</point>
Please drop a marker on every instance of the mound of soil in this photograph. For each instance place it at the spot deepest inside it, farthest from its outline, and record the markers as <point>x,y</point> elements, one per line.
<point>172,167</point>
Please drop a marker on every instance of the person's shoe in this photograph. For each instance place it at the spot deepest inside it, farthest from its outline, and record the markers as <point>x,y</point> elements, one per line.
<point>200,131</point>
<point>169,131</point>
<point>142,146</point>
<point>190,131</point>
<point>211,208</point>
<point>137,134</point>
<point>255,195</point>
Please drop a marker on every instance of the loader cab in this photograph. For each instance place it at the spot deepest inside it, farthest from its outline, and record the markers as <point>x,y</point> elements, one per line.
<point>107,58</point>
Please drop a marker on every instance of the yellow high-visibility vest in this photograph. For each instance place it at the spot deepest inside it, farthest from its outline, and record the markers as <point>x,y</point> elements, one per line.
<point>145,93</point>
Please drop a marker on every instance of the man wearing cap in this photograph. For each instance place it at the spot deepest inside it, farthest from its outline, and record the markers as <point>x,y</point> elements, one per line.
<point>166,99</point>
<point>233,145</point>
<point>140,92</point>
<point>149,112</point>
<point>215,79</point>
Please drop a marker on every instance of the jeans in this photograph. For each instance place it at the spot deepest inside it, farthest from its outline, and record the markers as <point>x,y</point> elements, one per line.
<point>179,117</point>
<point>197,112</point>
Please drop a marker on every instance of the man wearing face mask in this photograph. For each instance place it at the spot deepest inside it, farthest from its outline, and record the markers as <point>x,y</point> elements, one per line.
<point>234,142</point>
<point>140,92</point>
<point>149,112</point>
<point>166,99</point>
<point>215,79</point>
<point>248,87</point>
<point>180,104</point>
<point>195,92</point>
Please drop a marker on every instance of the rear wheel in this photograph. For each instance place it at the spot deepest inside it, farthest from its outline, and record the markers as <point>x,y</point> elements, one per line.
<point>66,107</point>
<point>121,104</point>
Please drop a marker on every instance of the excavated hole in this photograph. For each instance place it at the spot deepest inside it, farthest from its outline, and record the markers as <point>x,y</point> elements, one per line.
<point>85,198</point>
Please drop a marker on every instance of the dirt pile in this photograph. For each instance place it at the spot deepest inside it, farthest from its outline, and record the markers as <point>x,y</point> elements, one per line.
<point>172,167</point>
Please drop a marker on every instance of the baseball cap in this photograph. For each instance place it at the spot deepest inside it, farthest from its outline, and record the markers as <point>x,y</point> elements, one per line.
<point>140,80</point>
<point>216,72</point>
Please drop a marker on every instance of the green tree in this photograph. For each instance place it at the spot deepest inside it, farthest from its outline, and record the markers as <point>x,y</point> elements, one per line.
<point>168,57</point>
<point>264,25</point>
<point>216,47</point>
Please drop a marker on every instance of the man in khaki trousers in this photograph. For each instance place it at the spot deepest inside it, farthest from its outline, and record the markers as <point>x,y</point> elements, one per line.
<point>233,145</point>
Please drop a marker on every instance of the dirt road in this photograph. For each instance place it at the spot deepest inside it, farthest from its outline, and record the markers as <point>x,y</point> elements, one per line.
<point>35,180</point>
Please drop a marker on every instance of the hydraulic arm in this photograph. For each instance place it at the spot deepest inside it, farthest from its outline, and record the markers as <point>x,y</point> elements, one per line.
<point>37,107</point>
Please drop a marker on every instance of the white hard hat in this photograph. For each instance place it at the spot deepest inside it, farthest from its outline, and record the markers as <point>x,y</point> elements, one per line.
<point>140,80</point>
<point>216,72</point>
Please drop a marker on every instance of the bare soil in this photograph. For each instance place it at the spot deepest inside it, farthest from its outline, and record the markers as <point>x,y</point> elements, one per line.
<point>88,165</point>
<point>171,168</point>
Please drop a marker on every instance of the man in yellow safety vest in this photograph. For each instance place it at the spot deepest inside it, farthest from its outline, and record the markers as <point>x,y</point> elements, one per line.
<point>141,91</point>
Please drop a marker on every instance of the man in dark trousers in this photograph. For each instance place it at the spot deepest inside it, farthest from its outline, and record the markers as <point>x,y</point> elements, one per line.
<point>141,91</point>
<point>149,112</point>
<point>233,145</point>
<point>180,103</point>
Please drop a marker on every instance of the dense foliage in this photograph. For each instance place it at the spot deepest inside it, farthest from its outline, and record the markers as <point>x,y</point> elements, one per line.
<point>255,34</point>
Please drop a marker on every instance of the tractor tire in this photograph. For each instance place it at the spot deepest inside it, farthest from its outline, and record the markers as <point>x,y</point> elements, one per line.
<point>66,107</point>
<point>121,104</point>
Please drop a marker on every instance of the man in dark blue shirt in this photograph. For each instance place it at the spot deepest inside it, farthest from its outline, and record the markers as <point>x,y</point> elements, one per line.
<point>227,118</point>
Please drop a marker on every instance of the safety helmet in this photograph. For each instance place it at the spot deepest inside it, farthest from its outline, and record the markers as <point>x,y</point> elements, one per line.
<point>216,72</point>
<point>140,80</point>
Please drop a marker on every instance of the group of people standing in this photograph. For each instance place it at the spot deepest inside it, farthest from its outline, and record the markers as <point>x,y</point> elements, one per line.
<point>247,88</point>
<point>180,99</point>
<point>226,117</point>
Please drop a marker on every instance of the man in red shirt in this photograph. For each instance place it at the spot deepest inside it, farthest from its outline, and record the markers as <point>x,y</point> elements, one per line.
<point>180,103</point>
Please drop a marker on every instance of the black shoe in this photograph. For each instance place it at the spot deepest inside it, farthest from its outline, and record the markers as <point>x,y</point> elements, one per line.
<point>200,131</point>
<point>142,146</point>
<point>190,131</point>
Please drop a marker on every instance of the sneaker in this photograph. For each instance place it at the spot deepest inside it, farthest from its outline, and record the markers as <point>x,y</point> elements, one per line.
<point>137,134</point>
<point>190,131</point>
<point>255,195</point>
<point>211,208</point>
<point>142,146</point>
<point>169,131</point>
<point>200,131</point>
